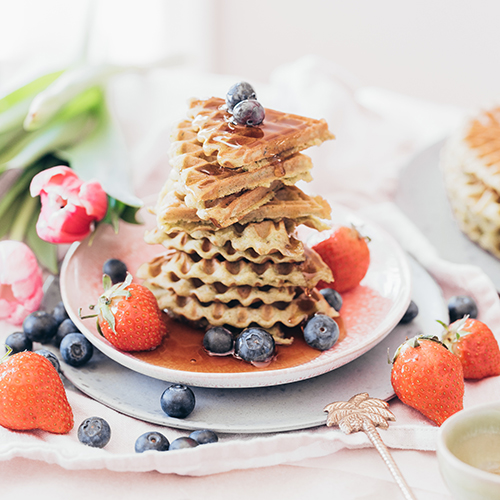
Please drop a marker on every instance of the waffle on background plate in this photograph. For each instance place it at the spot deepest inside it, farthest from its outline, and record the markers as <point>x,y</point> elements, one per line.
<point>470,162</point>
<point>227,216</point>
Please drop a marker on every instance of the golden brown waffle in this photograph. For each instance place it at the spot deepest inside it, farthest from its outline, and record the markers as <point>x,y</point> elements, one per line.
<point>180,265</point>
<point>204,179</point>
<point>236,146</point>
<point>288,202</point>
<point>233,208</point>
<point>289,314</point>
<point>214,182</point>
<point>260,238</point>
<point>470,162</point>
<point>483,141</point>
<point>207,250</point>
<point>156,279</point>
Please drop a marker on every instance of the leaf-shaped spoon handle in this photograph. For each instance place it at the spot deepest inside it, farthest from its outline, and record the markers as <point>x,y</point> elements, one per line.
<point>362,413</point>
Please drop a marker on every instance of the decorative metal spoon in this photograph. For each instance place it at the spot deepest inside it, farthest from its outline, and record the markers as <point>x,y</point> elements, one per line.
<point>362,413</point>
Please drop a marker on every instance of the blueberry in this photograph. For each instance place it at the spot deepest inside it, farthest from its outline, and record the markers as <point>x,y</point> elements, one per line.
<point>182,443</point>
<point>249,113</point>
<point>95,432</point>
<point>151,441</point>
<point>60,313</point>
<point>115,269</point>
<point>51,357</point>
<point>239,92</point>
<point>75,349</point>
<point>332,297</point>
<point>410,314</point>
<point>67,326</point>
<point>204,436</point>
<point>40,326</point>
<point>218,340</point>
<point>177,401</point>
<point>255,345</point>
<point>18,342</point>
<point>321,332</point>
<point>461,305</point>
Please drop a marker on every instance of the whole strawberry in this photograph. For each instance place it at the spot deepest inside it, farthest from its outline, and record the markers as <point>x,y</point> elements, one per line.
<point>32,395</point>
<point>428,377</point>
<point>476,347</point>
<point>129,316</point>
<point>347,254</point>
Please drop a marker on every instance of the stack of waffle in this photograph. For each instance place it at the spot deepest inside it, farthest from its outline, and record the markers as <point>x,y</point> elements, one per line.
<point>470,163</point>
<point>227,217</point>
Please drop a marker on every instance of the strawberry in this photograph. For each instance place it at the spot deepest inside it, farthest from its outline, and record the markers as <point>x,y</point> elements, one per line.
<point>347,254</point>
<point>476,347</point>
<point>428,377</point>
<point>32,395</point>
<point>129,316</point>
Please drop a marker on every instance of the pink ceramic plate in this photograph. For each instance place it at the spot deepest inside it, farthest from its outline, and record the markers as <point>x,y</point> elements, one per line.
<point>369,312</point>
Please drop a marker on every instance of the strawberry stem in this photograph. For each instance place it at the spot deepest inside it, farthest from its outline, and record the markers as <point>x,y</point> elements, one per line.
<point>86,317</point>
<point>8,350</point>
<point>111,292</point>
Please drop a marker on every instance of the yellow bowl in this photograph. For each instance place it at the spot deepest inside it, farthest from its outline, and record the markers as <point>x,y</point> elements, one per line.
<point>468,452</point>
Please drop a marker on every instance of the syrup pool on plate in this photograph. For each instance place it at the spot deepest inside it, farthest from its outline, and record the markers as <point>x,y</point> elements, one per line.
<point>183,350</point>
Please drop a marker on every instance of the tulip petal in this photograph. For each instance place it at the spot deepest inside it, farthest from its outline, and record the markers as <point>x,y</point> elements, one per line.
<point>56,176</point>
<point>21,281</point>
<point>94,199</point>
<point>69,206</point>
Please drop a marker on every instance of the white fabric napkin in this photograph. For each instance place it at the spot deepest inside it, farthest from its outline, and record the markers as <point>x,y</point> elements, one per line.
<point>377,132</point>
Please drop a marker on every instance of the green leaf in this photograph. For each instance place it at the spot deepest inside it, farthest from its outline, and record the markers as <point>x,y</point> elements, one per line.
<point>68,86</point>
<point>10,137</point>
<point>14,106</point>
<point>20,186</point>
<point>129,214</point>
<point>118,210</point>
<point>7,221</point>
<point>45,252</point>
<point>103,156</point>
<point>17,182</point>
<point>28,208</point>
<point>90,99</point>
<point>58,134</point>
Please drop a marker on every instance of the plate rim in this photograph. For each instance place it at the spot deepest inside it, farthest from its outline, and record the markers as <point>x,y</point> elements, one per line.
<point>257,378</point>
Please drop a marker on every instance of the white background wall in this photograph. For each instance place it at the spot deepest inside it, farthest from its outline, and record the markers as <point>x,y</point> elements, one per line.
<point>443,50</point>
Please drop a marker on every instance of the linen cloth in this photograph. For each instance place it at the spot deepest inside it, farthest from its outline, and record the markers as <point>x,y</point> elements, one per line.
<point>377,133</point>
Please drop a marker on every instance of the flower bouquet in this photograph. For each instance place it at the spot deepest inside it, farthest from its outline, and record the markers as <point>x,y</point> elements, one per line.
<point>63,171</point>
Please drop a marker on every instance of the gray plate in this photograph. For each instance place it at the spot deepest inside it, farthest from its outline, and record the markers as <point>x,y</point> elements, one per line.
<point>267,409</point>
<point>422,197</point>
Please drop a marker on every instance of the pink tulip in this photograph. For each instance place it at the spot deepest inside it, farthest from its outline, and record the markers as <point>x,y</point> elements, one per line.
<point>20,282</point>
<point>69,206</point>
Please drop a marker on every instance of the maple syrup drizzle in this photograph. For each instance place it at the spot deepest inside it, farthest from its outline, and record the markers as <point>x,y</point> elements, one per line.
<point>215,125</point>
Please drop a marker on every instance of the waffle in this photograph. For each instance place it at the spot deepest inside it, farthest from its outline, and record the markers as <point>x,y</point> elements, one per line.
<point>260,238</point>
<point>289,314</point>
<point>156,280</point>
<point>470,162</point>
<point>206,250</point>
<point>180,265</point>
<point>236,146</point>
<point>203,179</point>
<point>233,207</point>
<point>288,202</point>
